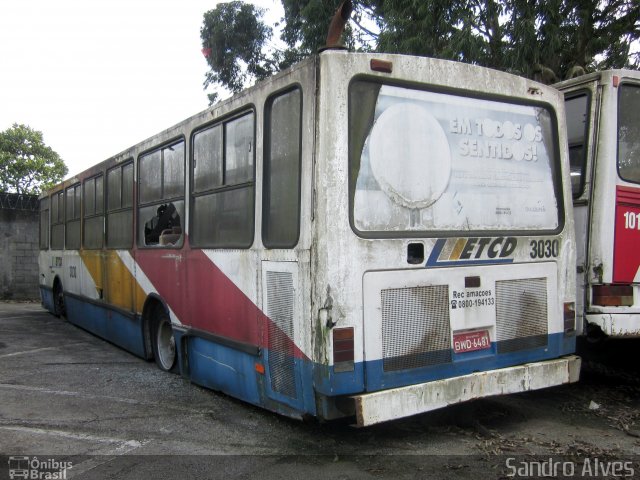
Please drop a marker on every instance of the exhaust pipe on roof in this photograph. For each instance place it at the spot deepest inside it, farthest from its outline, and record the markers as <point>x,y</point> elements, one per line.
<point>336,27</point>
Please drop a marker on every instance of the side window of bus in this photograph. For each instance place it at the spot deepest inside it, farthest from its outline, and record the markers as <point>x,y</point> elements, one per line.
<point>223,184</point>
<point>577,110</point>
<point>629,132</point>
<point>93,216</point>
<point>44,223</point>
<point>161,200</point>
<point>72,218</point>
<point>282,157</point>
<point>57,221</point>
<point>119,222</point>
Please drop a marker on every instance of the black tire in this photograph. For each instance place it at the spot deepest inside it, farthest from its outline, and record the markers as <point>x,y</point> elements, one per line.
<point>163,342</point>
<point>59,309</point>
<point>595,336</point>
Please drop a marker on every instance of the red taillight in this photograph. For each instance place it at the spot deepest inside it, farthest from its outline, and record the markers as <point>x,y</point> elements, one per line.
<point>343,349</point>
<point>569,317</point>
<point>612,295</point>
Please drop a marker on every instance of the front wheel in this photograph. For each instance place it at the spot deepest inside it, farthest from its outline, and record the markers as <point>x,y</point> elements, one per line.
<point>164,343</point>
<point>58,301</point>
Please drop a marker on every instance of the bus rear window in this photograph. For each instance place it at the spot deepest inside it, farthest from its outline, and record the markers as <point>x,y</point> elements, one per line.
<point>423,162</point>
<point>629,133</point>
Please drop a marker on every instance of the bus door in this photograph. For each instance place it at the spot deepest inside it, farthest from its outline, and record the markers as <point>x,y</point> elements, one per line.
<point>582,109</point>
<point>626,254</point>
<point>285,270</point>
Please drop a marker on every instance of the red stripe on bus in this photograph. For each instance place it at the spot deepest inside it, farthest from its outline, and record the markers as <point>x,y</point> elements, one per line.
<point>628,195</point>
<point>626,254</point>
<point>203,297</point>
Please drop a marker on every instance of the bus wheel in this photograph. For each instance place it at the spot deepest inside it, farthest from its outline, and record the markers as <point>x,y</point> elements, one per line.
<point>164,343</point>
<point>595,335</point>
<point>58,301</point>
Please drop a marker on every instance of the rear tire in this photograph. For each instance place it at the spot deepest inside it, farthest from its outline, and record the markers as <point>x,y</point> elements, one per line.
<point>59,309</point>
<point>164,343</point>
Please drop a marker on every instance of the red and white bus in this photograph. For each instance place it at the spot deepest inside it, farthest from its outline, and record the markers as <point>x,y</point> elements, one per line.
<point>363,235</point>
<point>603,125</point>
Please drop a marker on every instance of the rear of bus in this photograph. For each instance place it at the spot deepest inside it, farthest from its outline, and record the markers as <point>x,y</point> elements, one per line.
<point>603,127</point>
<point>444,255</point>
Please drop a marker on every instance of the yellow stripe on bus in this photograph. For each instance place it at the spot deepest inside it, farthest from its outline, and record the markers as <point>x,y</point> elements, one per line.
<point>457,249</point>
<point>114,282</point>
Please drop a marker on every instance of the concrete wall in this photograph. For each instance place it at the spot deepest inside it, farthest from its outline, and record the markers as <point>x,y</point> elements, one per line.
<point>19,246</point>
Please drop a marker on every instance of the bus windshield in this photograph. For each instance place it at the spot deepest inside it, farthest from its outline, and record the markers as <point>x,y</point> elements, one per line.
<point>424,161</point>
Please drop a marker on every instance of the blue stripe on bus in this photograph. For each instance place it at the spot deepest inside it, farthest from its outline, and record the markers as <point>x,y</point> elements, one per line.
<point>233,372</point>
<point>123,330</point>
<point>46,297</point>
<point>330,383</point>
<point>378,379</point>
<point>226,369</point>
<point>222,368</point>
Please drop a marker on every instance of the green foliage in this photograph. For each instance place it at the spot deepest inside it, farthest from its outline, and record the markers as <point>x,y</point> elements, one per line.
<point>541,39</point>
<point>233,37</point>
<point>27,165</point>
<point>306,23</point>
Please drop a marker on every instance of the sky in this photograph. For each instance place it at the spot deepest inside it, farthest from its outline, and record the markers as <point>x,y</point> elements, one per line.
<point>96,77</point>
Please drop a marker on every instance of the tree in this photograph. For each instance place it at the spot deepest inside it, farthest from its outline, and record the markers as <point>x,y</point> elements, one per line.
<point>233,37</point>
<point>27,165</point>
<point>542,39</point>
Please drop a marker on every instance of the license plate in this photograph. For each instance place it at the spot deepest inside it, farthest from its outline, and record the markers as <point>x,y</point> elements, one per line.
<point>471,341</point>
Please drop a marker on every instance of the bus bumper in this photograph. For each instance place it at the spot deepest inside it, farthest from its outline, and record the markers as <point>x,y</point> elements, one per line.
<point>401,402</point>
<point>617,325</point>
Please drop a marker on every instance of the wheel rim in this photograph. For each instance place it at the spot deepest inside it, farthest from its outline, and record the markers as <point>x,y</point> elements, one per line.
<point>166,345</point>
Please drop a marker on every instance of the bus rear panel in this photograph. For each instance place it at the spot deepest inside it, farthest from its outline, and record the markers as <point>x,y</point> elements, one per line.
<point>604,148</point>
<point>452,261</point>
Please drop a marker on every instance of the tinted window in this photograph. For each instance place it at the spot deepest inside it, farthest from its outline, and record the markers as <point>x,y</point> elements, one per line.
<point>577,110</point>
<point>281,193</point>
<point>114,186</point>
<point>57,221</point>
<point>127,186</point>
<point>72,228</point>
<point>173,168</point>
<point>161,208</point>
<point>207,159</point>
<point>119,221</point>
<point>238,151</point>
<point>223,196</point>
<point>93,220</point>
<point>151,177</point>
<point>44,223</point>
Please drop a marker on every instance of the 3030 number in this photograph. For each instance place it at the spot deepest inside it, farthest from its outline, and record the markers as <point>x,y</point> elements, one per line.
<point>544,248</point>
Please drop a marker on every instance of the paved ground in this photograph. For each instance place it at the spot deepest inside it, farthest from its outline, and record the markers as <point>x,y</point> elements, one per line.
<point>67,396</point>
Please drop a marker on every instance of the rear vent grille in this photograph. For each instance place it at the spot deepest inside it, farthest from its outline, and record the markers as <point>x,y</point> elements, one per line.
<point>521,314</point>
<point>280,311</point>
<point>415,327</point>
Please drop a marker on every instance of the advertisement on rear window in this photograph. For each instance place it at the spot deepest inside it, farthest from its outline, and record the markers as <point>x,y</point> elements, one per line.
<point>431,161</point>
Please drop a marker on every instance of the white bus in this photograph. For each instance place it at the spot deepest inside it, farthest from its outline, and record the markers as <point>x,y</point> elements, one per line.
<point>603,125</point>
<point>361,235</point>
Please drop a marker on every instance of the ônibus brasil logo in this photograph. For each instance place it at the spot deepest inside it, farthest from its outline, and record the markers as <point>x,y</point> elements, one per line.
<point>28,468</point>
